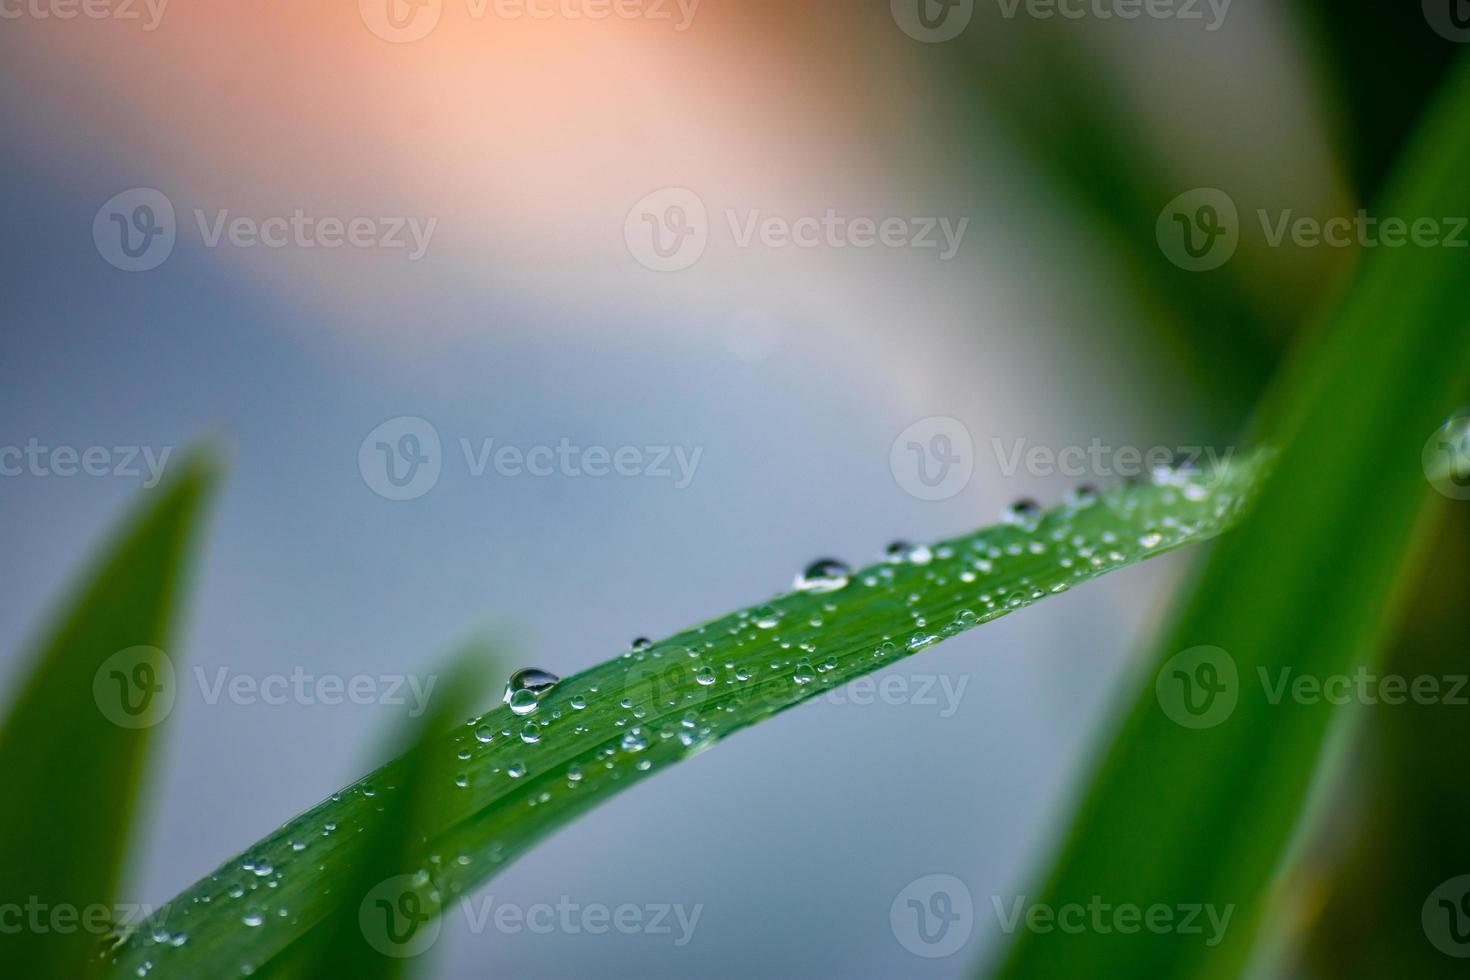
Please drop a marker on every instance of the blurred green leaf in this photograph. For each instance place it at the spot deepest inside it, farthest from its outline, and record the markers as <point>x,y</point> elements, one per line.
<point>73,748</point>
<point>1383,62</point>
<point>1180,816</point>
<point>380,909</point>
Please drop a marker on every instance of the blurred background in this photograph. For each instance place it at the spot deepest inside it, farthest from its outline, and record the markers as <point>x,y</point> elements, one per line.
<point>569,231</point>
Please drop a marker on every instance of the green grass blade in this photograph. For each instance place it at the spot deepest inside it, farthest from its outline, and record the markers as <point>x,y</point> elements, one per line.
<point>1383,62</point>
<point>519,777</point>
<point>74,744</point>
<point>378,922</point>
<point>1178,816</point>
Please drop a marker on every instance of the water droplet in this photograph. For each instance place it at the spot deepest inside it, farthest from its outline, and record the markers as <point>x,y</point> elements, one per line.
<point>641,643</point>
<point>578,702</point>
<point>531,733</point>
<point>574,774</point>
<point>705,675</point>
<point>1151,540</point>
<point>823,575</point>
<point>526,688</point>
<point>484,733</point>
<point>803,672</point>
<point>1180,468</point>
<point>1085,495</point>
<point>1024,513</point>
<point>515,770</point>
<point>915,554</point>
<point>252,919</point>
<point>634,740</point>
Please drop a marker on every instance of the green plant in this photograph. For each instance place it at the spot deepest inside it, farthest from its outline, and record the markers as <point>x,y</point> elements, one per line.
<point>465,802</point>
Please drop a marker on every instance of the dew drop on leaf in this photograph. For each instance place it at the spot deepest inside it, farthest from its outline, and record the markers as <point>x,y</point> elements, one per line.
<point>527,687</point>
<point>1024,513</point>
<point>823,575</point>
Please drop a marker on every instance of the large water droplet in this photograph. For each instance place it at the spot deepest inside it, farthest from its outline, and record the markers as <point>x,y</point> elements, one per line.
<point>527,687</point>
<point>823,575</point>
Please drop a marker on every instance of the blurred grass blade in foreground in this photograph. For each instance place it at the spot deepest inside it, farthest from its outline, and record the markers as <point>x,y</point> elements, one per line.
<point>73,747</point>
<point>1199,812</point>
